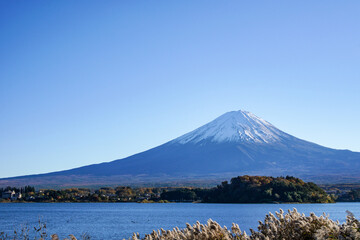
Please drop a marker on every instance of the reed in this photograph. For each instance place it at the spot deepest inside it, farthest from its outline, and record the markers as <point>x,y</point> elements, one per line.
<point>291,225</point>
<point>281,226</point>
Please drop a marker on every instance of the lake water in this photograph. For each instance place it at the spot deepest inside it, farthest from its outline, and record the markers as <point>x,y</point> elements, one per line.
<point>120,220</point>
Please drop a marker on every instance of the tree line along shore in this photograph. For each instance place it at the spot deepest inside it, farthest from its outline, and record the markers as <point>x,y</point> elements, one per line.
<point>241,189</point>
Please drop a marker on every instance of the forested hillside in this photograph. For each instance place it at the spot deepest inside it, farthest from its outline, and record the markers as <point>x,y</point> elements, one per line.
<point>254,189</point>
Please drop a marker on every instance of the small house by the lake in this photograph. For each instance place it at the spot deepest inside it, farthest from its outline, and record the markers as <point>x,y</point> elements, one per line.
<point>12,195</point>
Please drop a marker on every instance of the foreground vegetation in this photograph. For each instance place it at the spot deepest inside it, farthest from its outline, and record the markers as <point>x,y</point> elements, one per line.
<point>281,226</point>
<point>289,226</point>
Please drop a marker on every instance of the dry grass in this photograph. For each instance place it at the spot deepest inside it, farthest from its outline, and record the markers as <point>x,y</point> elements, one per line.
<point>281,226</point>
<point>289,226</point>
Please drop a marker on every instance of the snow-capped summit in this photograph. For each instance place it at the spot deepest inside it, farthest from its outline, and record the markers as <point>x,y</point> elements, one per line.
<point>235,126</point>
<point>236,143</point>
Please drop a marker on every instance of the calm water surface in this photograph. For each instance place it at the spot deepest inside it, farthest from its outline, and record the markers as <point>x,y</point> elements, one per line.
<point>120,220</point>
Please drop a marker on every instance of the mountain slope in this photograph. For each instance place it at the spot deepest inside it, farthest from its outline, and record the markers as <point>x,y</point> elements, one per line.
<point>236,143</point>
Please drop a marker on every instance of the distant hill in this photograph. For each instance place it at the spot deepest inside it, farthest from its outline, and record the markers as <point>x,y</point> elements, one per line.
<point>236,143</point>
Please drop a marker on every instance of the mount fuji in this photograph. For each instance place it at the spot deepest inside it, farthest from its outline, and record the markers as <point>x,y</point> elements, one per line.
<point>236,143</point>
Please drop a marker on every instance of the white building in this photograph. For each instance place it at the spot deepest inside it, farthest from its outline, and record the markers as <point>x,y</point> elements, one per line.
<point>12,195</point>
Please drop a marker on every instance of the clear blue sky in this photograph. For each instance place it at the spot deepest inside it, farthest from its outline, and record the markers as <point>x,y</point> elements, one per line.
<point>84,82</point>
